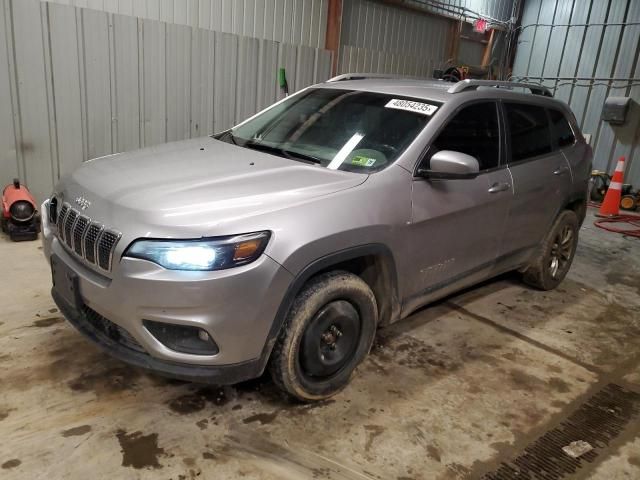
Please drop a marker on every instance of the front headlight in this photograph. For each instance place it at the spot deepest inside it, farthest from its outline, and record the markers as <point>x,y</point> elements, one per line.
<point>205,254</point>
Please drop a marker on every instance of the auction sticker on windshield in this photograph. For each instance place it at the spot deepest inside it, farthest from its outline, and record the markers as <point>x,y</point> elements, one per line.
<point>410,106</point>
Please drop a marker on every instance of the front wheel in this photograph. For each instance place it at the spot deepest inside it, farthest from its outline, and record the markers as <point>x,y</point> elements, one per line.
<point>555,255</point>
<point>328,332</point>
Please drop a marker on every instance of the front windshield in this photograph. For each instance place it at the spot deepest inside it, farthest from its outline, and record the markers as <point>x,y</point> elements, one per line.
<point>337,129</point>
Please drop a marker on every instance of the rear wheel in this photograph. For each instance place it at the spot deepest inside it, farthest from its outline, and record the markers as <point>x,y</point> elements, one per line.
<point>555,254</point>
<point>328,332</point>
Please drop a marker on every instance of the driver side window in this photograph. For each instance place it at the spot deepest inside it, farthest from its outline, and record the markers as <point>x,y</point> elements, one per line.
<point>473,130</point>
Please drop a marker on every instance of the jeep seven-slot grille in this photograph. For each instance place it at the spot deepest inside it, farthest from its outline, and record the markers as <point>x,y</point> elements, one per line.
<point>107,243</point>
<point>61,217</point>
<point>90,238</point>
<point>87,239</point>
<point>78,233</point>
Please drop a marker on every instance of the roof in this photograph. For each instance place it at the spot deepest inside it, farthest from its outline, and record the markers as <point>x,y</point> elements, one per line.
<point>427,89</point>
<point>435,90</point>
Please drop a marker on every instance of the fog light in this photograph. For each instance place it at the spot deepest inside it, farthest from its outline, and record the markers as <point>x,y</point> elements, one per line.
<point>182,338</point>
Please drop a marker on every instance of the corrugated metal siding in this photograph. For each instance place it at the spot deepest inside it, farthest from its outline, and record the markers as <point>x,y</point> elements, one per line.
<point>299,22</point>
<point>545,53</point>
<point>380,38</point>
<point>470,52</point>
<point>86,83</point>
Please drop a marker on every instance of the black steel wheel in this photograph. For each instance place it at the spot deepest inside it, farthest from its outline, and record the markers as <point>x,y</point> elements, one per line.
<point>328,332</point>
<point>330,340</point>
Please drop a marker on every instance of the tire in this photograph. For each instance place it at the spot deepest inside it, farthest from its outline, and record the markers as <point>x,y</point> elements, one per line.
<point>329,330</point>
<point>555,255</point>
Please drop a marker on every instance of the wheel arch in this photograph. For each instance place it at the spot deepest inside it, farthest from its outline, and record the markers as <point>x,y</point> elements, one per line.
<point>374,263</point>
<point>578,204</point>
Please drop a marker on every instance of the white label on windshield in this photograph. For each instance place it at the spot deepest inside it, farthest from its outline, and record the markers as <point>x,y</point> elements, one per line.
<point>409,106</point>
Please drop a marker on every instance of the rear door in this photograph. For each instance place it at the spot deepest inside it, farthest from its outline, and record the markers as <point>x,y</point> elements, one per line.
<point>457,225</point>
<point>541,178</point>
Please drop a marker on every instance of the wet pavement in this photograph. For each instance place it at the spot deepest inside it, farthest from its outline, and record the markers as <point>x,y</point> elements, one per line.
<point>449,393</point>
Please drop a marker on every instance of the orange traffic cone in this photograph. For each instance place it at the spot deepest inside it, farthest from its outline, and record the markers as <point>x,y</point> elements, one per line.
<point>611,204</point>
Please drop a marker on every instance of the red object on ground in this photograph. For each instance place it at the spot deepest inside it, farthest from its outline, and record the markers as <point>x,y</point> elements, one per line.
<point>20,218</point>
<point>13,193</point>
<point>611,204</point>
<point>616,224</point>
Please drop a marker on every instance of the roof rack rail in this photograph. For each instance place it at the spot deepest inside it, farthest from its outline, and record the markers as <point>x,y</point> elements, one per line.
<point>474,84</point>
<point>365,76</point>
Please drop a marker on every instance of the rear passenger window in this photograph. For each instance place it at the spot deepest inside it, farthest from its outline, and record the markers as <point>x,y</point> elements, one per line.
<point>473,130</point>
<point>529,131</point>
<point>562,133</point>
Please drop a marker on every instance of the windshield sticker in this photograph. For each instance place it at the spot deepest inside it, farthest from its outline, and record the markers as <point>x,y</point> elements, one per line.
<point>409,106</point>
<point>363,161</point>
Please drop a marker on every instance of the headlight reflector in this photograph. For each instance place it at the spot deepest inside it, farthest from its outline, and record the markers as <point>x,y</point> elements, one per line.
<point>201,255</point>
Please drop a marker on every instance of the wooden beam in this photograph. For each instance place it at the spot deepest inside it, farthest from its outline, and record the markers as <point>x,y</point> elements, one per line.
<point>486,57</point>
<point>334,28</point>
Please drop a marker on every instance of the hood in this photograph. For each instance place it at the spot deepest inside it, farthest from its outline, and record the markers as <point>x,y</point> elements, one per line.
<point>196,185</point>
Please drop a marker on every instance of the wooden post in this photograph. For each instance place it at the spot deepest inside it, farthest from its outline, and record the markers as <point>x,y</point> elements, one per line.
<point>334,27</point>
<point>486,57</point>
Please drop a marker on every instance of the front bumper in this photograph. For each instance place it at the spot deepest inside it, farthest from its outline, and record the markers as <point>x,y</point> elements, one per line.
<point>96,328</point>
<point>236,307</point>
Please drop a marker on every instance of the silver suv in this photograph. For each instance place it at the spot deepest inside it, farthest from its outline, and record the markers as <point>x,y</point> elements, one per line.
<point>286,241</point>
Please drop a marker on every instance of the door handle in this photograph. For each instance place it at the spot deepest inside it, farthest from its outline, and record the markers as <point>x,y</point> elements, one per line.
<point>560,170</point>
<point>499,187</point>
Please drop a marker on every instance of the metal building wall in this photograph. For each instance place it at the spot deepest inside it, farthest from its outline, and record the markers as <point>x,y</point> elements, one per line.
<point>78,83</point>
<point>381,38</point>
<point>470,52</point>
<point>584,63</point>
<point>299,22</point>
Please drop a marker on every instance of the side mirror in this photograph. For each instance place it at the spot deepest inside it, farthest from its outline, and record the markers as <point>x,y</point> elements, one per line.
<point>447,164</point>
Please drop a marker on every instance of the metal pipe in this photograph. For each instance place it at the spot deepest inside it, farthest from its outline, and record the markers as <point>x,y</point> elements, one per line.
<point>599,79</point>
<point>573,81</point>
<point>460,11</point>
<point>602,24</point>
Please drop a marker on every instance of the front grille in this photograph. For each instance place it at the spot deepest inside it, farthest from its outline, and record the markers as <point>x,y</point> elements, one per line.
<point>69,222</point>
<point>78,233</point>
<point>52,207</point>
<point>89,240</point>
<point>60,221</point>
<point>111,330</point>
<point>107,242</point>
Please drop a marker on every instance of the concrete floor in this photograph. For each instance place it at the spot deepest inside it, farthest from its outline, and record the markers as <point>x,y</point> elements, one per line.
<point>446,394</point>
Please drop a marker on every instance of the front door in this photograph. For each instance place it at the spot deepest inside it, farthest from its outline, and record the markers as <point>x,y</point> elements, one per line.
<point>457,225</point>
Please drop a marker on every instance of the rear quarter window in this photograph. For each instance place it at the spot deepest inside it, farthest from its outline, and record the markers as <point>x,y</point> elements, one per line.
<point>561,129</point>
<point>529,131</point>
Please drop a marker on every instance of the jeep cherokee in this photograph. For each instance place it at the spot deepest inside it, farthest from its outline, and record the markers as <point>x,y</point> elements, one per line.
<point>283,243</point>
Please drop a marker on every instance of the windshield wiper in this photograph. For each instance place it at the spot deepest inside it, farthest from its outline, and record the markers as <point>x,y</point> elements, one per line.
<point>283,152</point>
<point>229,135</point>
